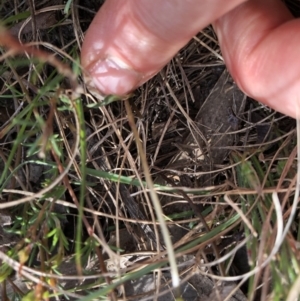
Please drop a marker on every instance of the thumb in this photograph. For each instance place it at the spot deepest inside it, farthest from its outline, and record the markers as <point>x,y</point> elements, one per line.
<point>129,41</point>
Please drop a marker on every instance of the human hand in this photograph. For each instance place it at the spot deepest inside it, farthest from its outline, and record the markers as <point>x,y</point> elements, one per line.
<point>129,41</point>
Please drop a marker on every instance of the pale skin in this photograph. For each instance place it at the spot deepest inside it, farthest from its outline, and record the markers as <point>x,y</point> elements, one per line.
<point>129,41</point>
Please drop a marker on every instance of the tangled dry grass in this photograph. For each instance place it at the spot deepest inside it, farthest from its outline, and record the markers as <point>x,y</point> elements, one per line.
<point>186,181</point>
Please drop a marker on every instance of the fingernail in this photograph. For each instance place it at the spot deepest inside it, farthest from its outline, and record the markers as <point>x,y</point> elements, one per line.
<point>113,76</point>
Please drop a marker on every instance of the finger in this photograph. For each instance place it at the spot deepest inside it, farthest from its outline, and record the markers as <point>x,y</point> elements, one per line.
<point>260,43</point>
<point>131,40</point>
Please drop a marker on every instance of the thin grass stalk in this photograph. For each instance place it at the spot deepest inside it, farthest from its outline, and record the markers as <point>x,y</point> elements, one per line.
<point>83,149</point>
<point>155,200</point>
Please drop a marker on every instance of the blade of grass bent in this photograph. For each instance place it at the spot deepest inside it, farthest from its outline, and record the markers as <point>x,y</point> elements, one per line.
<point>154,198</point>
<point>83,148</point>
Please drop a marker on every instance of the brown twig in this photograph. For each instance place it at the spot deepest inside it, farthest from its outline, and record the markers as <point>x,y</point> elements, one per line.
<point>15,47</point>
